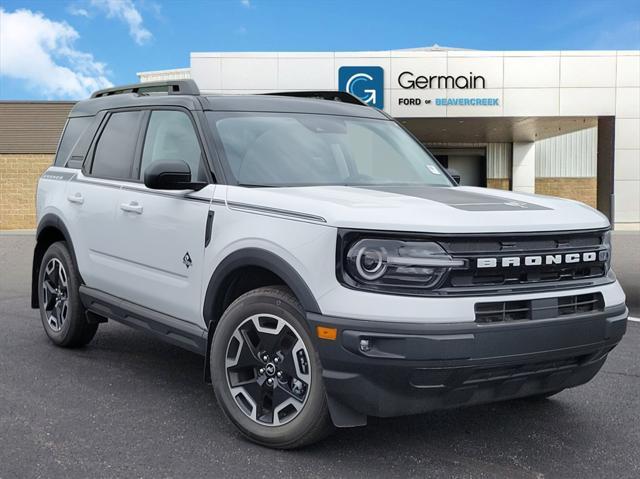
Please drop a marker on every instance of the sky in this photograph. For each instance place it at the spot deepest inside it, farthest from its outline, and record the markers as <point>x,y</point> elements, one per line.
<point>65,49</point>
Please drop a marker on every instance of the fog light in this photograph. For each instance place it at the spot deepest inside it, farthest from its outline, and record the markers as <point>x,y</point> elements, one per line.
<point>365,345</point>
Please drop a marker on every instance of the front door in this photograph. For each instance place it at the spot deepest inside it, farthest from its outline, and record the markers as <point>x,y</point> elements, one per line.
<point>162,233</point>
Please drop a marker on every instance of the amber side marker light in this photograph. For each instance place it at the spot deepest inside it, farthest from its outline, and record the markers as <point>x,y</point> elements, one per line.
<point>327,333</point>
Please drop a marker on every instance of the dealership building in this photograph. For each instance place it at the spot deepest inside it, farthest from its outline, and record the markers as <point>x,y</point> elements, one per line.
<point>564,123</point>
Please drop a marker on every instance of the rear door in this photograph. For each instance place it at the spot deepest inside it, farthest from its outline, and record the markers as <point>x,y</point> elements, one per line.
<point>161,234</point>
<point>92,199</point>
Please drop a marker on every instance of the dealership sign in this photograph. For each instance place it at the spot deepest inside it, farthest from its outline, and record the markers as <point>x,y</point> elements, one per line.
<point>367,83</point>
<point>409,80</point>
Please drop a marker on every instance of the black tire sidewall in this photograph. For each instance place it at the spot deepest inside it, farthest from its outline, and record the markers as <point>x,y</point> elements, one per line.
<point>315,408</point>
<point>75,318</point>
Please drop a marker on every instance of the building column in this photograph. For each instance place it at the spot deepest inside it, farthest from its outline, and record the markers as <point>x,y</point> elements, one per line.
<point>524,167</point>
<point>605,165</point>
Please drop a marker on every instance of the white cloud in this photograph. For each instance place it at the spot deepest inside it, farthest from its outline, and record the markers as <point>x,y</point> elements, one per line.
<point>78,12</point>
<point>246,3</point>
<point>41,52</point>
<point>127,12</point>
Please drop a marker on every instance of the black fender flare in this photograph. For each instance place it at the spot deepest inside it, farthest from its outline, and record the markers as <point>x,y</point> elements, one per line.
<point>50,220</point>
<point>252,257</point>
<point>264,259</point>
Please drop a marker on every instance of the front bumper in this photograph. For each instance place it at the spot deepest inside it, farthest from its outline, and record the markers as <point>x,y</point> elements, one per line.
<point>410,368</point>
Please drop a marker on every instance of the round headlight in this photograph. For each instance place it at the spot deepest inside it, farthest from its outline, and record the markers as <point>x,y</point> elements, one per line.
<point>395,265</point>
<point>371,263</point>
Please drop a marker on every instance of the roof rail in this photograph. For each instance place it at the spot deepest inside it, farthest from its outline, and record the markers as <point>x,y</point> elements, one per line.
<point>171,87</point>
<point>332,95</point>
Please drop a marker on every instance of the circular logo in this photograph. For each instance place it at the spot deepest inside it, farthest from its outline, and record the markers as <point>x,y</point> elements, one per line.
<point>270,369</point>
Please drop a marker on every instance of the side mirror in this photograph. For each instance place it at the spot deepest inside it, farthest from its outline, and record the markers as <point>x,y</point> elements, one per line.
<point>170,175</point>
<point>454,174</point>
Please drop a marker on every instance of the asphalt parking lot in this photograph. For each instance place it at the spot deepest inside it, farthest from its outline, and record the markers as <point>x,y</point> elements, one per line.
<point>130,406</point>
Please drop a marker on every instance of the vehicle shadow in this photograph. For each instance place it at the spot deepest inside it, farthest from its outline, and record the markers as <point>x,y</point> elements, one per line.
<point>500,437</point>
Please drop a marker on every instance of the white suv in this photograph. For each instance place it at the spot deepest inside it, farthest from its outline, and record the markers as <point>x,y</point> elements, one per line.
<point>323,262</point>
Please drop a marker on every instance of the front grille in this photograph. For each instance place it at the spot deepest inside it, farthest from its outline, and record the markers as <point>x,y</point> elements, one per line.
<point>524,275</point>
<point>521,371</point>
<point>473,248</point>
<point>510,376</point>
<point>506,311</point>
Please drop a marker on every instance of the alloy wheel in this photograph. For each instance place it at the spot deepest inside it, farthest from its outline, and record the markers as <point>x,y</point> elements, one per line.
<point>56,297</point>
<point>268,370</point>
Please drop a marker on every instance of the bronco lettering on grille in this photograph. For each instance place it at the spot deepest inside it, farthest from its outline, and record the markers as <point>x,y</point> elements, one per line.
<point>549,259</point>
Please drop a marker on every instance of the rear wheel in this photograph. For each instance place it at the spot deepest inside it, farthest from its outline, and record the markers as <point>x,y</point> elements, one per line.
<point>61,312</point>
<point>266,374</point>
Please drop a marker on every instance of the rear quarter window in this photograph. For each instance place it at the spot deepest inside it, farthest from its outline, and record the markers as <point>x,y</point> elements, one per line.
<point>73,130</point>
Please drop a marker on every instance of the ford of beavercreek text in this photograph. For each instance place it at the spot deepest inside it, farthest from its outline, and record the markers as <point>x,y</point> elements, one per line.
<point>318,257</point>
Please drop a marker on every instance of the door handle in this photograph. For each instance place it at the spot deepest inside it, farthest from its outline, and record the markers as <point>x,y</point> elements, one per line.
<point>132,207</point>
<point>77,198</point>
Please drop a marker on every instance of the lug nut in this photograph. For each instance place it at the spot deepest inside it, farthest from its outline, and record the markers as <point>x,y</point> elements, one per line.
<point>261,371</point>
<point>276,360</point>
<point>270,381</point>
<point>279,374</point>
<point>265,358</point>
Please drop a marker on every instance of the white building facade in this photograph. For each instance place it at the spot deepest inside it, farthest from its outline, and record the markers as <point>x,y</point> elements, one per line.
<point>565,123</point>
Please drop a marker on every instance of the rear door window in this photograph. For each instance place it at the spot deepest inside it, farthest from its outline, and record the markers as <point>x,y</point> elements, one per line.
<point>115,151</point>
<point>73,130</point>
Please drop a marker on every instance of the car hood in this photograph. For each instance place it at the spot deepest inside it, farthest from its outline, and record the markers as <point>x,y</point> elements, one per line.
<point>421,209</point>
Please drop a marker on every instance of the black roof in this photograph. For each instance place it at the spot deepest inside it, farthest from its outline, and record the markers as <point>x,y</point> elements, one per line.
<point>289,104</point>
<point>185,93</point>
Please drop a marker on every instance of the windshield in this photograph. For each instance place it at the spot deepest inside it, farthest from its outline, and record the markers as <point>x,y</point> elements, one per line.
<point>291,149</point>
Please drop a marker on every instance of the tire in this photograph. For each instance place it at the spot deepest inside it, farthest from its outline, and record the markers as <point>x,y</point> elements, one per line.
<point>240,373</point>
<point>62,313</point>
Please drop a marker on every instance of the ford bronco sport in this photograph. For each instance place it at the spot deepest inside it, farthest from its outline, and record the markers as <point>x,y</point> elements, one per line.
<point>319,258</point>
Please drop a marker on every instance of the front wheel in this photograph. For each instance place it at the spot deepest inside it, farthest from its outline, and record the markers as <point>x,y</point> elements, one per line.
<point>266,373</point>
